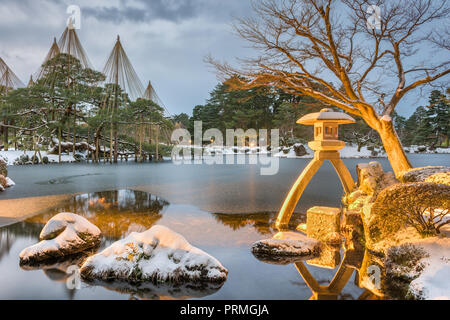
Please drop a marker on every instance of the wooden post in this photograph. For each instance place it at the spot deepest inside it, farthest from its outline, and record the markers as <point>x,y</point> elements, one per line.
<point>157,143</point>
<point>59,144</point>
<point>140,139</point>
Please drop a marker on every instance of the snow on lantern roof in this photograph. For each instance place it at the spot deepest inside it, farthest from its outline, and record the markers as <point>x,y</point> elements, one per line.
<point>326,114</point>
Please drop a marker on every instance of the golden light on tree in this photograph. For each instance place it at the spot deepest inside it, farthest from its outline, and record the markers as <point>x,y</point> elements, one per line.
<point>304,45</point>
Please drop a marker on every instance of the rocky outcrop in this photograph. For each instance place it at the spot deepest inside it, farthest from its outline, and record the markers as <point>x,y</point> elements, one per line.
<point>395,214</point>
<point>300,150</point>
<point>156,255</point>
<point>5,182</point>
<point>3,167</point>
<point>65,234</point>
<point>371,181</point>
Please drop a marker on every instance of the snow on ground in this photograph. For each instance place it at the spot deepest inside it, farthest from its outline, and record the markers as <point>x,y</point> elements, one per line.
<point>159,255</point>
<point>64,234</point>
<point>349,151</point>
<point>287,244</point>
<point>433,282</point>
<point>11,155</point>
<point>424,149</point>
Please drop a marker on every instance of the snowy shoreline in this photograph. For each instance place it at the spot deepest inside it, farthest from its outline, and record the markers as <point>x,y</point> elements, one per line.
<point>348,152</point>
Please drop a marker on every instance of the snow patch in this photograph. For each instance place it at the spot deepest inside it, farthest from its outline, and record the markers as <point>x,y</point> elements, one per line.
<point>9,182</point>
<point>433,281</point>
<point>11,155</point>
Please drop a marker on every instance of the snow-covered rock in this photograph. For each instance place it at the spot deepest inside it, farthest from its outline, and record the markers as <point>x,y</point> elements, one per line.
<point>9,182</point>
<point>158,255</point>
<point>286,244</point>
<point>3,166</point>
<point>5,182</point>
<point>372,179</point>
<point>12,157</point>
<point>63,235</point>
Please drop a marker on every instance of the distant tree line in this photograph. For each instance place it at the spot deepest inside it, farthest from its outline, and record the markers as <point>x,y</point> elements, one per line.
<point>268,107</point>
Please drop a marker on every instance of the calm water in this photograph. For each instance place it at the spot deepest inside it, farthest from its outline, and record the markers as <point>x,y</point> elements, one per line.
<point>220,209</point>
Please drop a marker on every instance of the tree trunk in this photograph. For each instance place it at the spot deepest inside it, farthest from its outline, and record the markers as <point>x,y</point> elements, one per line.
<point>394,149</point>
<point>59,144</point>
<point>157,143</point>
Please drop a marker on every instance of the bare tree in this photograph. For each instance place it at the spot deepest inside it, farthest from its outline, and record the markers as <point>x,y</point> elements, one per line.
<point>366,68</point>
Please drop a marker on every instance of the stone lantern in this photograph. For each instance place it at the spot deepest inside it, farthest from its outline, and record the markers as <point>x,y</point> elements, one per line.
<point>326,129</point>
<point>326,146</point>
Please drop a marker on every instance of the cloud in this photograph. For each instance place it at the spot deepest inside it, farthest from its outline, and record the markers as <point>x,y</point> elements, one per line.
<point>166,40</point>
<point>141,11</point>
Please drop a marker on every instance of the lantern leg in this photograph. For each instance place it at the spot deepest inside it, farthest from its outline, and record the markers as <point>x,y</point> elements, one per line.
<point>310,281</point>
<point>296,192</point>
<point>344,175</point>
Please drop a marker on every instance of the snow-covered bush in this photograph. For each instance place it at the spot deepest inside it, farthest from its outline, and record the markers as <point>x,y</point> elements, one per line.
<point>422,205</point>
<point>422,173</point>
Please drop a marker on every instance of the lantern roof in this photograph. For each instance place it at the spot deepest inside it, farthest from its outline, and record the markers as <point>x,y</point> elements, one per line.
<point>326,115</point>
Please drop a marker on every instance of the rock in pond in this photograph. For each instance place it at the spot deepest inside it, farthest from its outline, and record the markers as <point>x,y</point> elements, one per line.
<point>3,167</point>
<point>157,255</point>
<point>63,235</point>
<point>286,244</point>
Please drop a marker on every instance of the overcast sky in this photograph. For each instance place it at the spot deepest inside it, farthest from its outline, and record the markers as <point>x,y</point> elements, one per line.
<point>166,40</point>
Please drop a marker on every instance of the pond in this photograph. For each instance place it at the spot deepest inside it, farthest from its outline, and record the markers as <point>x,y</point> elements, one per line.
<point>220,209</point>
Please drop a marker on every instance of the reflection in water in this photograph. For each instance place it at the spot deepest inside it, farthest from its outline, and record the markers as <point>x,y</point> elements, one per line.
<point>153,291</point>
<point>10,234</point>
<point>263,222</point>
<point>58,271</point>
<point>116,213</point>
<point>330,258</point>
<point>353,261</point>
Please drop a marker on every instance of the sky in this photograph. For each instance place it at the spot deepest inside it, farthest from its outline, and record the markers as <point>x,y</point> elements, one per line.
<point>166,41</point>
